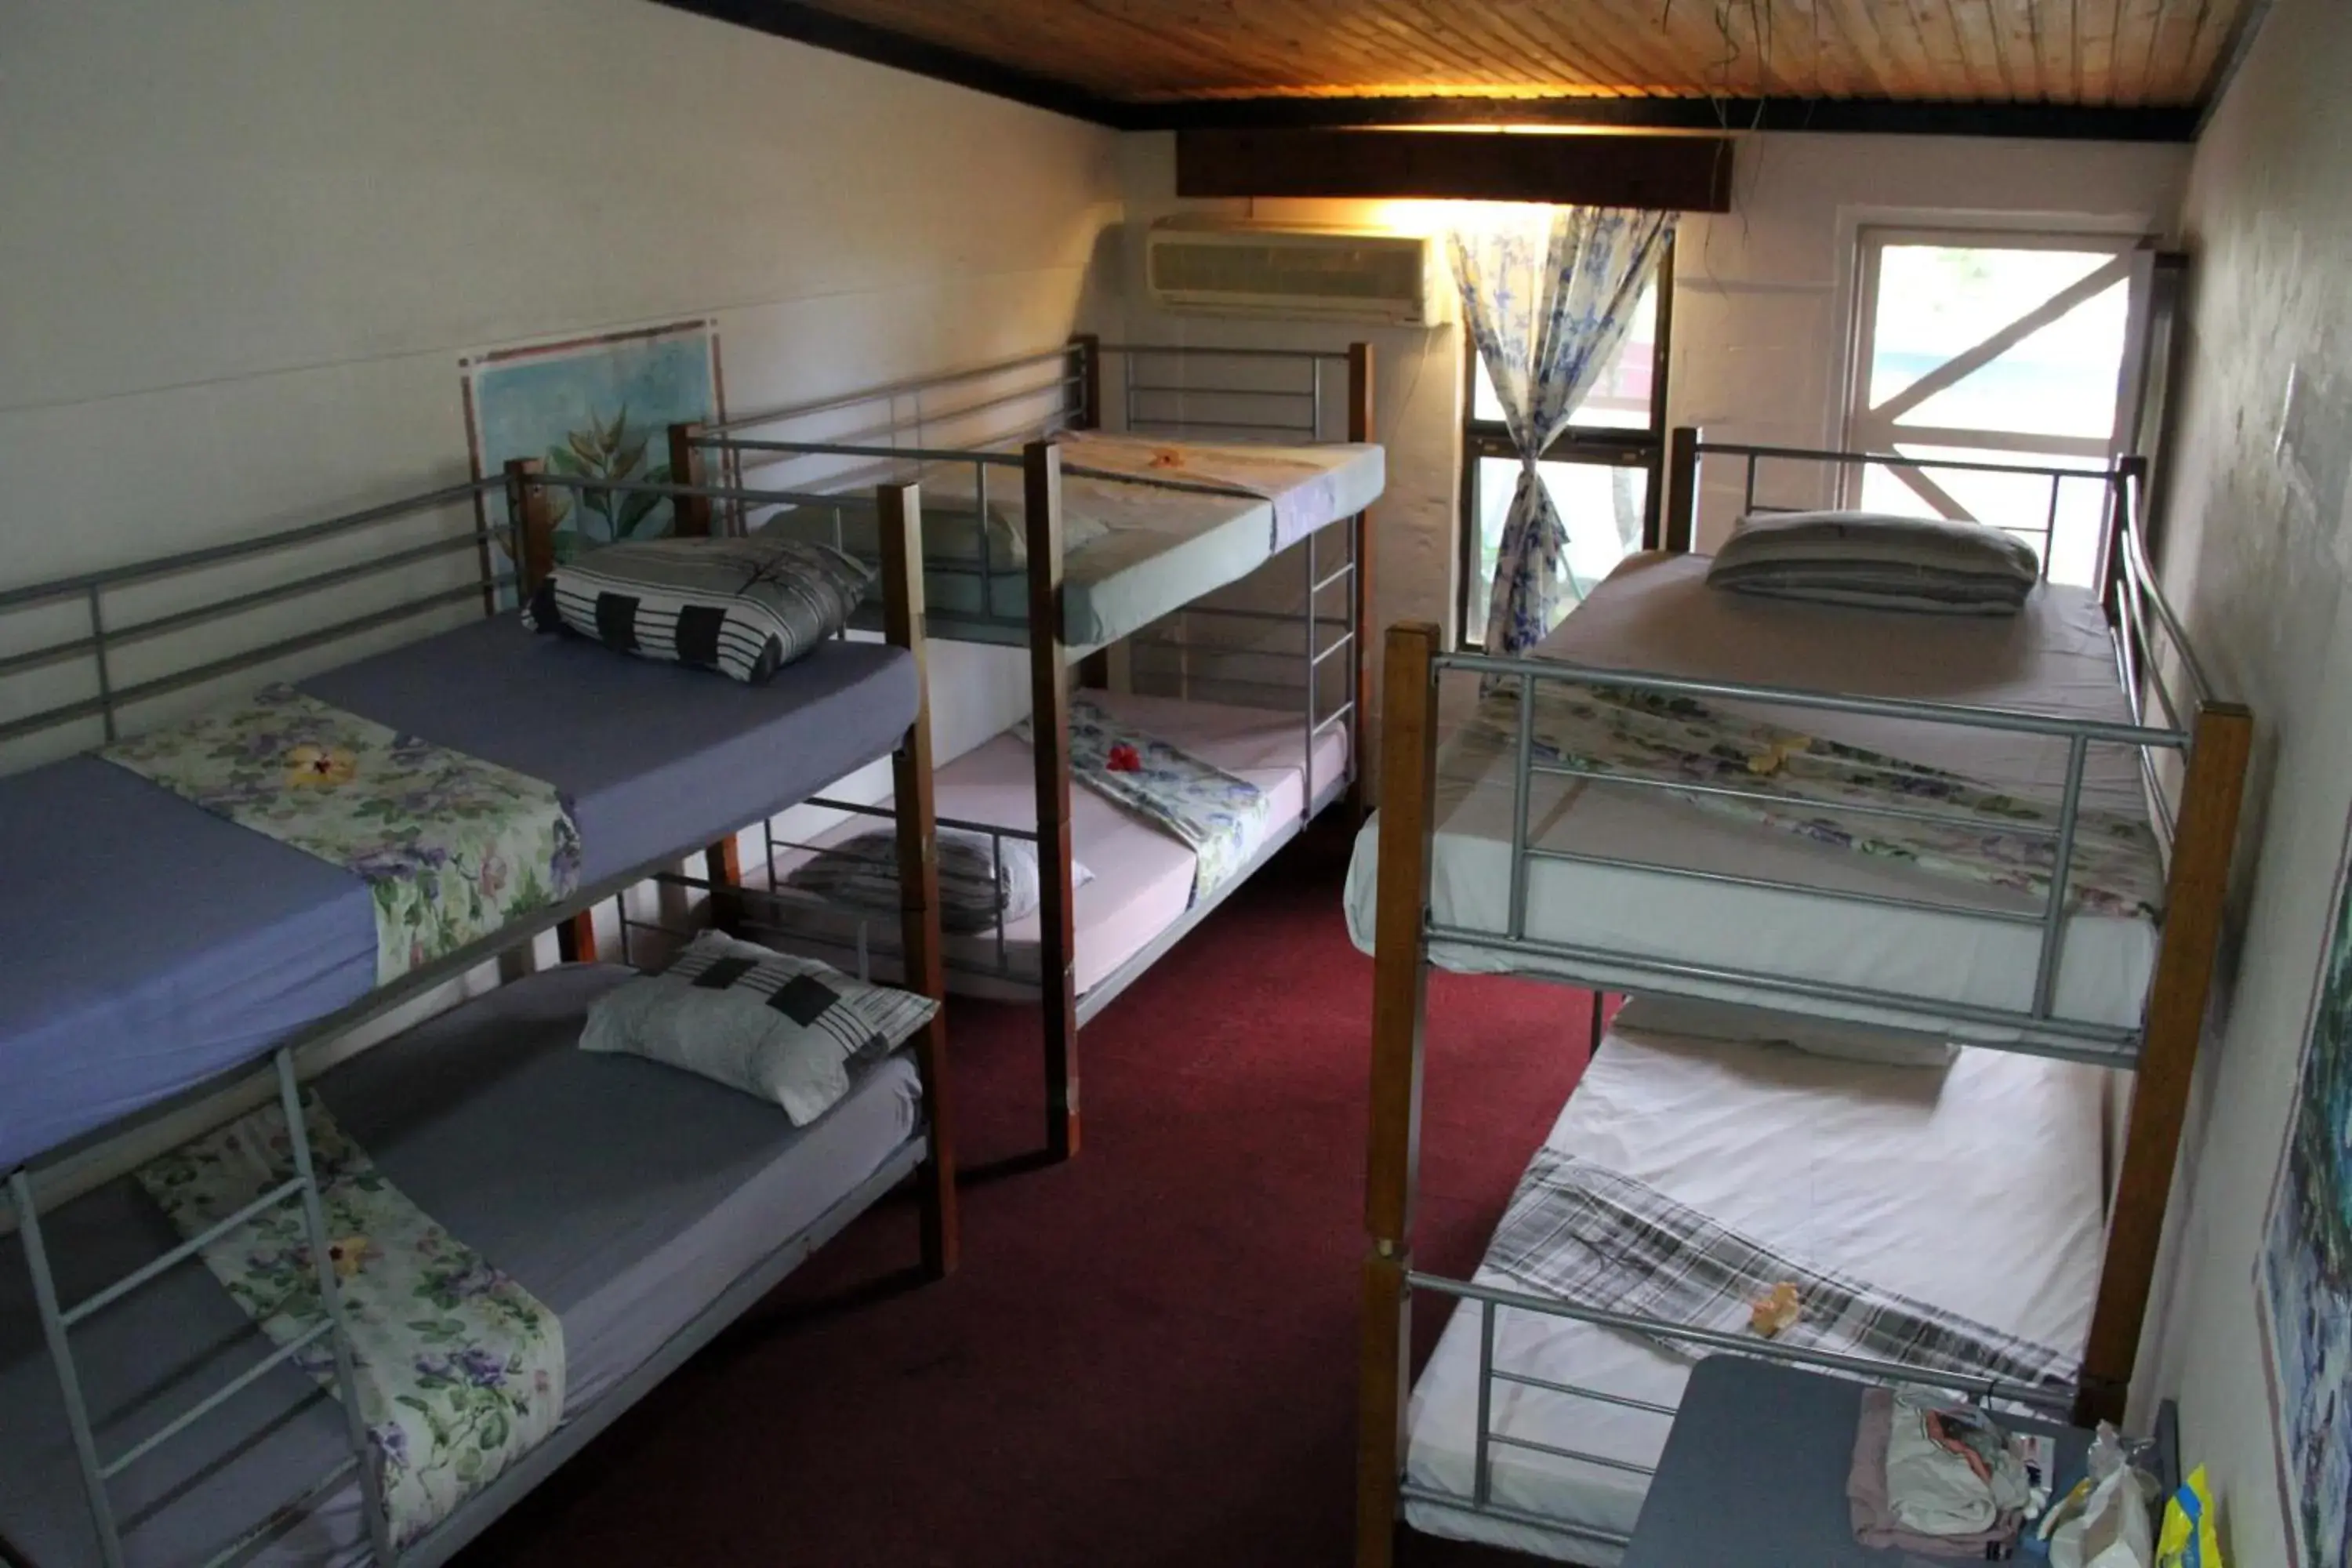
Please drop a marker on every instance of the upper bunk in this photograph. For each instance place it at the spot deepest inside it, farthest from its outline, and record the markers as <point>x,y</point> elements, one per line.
<point>154,945</point>
<point>1222,459</point>
<point>1983,837</point>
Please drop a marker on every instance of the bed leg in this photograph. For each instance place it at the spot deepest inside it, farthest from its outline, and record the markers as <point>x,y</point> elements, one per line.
<point>1400,994</point>
<point>1681,510</point>
<point>690,514</point>
<point>532,523</point>
<point>1049,722</point>
<point>723,867</point>
<point>1359,428</point>
<point>924,963</point>
<point>576,939</point>
<point>2203,849</point>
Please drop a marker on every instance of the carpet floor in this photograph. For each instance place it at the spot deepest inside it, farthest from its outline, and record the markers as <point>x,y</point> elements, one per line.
<point>1148,1356</point>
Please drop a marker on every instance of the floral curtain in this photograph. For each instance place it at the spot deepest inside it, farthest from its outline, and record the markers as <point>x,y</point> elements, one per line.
<point>1547,294</point>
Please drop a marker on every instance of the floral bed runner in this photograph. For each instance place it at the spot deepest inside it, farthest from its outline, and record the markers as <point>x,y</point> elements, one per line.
<point>1219,817</point>
<point>2113,871</point>
<point>1306,495</point>
<point>450,847</point>
<point>460,1371</point>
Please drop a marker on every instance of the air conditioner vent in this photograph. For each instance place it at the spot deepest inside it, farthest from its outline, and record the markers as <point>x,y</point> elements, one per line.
<point>1310,274</point>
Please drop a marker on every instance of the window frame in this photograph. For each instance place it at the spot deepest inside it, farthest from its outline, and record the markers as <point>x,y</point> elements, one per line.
<point>1617,447</point>
<point>1863,429</point>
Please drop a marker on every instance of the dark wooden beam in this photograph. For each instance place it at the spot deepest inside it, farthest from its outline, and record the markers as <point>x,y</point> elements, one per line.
<point>1675,173</point>
<point>2056,121</point>
<point>884,46</point>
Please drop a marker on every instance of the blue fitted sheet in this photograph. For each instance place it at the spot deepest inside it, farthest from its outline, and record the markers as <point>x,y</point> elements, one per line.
<point>626,1197</point>
<point>149,946</point>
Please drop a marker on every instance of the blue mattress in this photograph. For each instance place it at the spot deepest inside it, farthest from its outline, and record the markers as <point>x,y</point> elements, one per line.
<point>151,945</point>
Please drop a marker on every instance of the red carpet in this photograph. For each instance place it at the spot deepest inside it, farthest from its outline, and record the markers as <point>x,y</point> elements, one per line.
<point>1148,1356</point>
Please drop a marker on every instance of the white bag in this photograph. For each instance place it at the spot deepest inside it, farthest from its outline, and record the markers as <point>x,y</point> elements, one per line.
<point>2112,1530</point>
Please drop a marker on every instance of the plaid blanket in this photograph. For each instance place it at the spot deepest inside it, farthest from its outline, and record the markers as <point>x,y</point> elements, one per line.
<point>1603,1240</point>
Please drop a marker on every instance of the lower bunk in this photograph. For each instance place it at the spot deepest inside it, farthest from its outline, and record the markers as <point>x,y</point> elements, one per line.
<point>1976,1189</point>
<point>645,1208</point>
<point>1137,888</point>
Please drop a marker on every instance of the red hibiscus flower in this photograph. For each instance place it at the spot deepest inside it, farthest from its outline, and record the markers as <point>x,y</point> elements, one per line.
<point>1125,759</point>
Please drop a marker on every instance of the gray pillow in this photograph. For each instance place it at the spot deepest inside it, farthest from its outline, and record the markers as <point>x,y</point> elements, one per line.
<point>745,607</point>
<point>979,889</point>
<point>951,531</point>
<point>783,1028</point>
<point>1921,565</point>
<point>1694,1020</point>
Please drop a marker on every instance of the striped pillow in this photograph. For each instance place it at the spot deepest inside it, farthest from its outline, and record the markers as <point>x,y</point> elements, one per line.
<point>783,1028</point>
<point>980,888</point>
<point>745,607</point>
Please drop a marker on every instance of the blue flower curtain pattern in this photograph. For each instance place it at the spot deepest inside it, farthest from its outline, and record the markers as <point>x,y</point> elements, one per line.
<point>1547,294</point>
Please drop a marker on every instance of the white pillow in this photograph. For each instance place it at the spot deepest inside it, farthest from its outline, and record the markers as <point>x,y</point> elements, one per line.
<point>1925,565</point>
<point>1818,1036</point>
<point>783,1028</point>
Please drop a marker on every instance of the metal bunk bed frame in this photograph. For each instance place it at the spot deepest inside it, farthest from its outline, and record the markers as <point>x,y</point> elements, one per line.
<point>2210,736</point>
<point>528,544</point>
<point>890,427</point>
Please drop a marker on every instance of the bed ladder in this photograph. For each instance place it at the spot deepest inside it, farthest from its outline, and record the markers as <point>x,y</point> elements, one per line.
<point>58,1323</point>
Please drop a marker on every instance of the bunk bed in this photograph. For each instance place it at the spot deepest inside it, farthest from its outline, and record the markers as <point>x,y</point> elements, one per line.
<point>1087,546</point>
<point>1537,1422</point>
<point>146,1417</point>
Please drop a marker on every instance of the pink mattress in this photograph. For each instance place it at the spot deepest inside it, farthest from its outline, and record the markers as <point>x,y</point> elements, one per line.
<point>1142,877</point>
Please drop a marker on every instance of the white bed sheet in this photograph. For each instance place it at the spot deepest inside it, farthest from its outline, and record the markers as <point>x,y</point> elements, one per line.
<point>1142,876</point>
<point>1978,1189</point>
<point>1656,614</point>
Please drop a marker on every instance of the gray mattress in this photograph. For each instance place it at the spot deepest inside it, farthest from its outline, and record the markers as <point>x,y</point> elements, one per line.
<point>623,1195</point>
<point>151,945</point>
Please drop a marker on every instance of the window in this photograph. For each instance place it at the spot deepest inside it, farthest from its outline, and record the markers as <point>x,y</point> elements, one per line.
<point>1602,472</point>
<point>2002,347</point>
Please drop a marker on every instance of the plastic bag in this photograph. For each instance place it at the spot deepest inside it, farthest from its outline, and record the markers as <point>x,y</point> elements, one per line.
<point>2189,1540</point>
<point>2104,1522</point>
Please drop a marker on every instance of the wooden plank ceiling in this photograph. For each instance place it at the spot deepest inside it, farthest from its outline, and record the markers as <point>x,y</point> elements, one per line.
<point>2105,54</point>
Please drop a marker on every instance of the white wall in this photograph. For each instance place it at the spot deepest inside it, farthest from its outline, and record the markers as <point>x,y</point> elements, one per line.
<point>244,243</point>
<point>2258,555</point>
<point>1763,295</point>
<point>247,243</point>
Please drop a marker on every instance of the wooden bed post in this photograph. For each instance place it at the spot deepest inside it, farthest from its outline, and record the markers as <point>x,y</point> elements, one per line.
<point>901,516</point>
<point>2203,849</point>
<point>1681,510</point>
<point>1086,412</point>
<point>1049,720</point>
<point>1359,428</point>
<point>690,514</point>
<point>1400,985</point>
<point>534,529</point>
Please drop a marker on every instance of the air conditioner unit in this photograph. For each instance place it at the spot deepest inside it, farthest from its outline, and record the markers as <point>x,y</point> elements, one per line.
<point>1231,268</point>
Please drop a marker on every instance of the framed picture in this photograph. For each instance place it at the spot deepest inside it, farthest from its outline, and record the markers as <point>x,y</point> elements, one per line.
<point>2303,1273</point>
<point>593,407</point>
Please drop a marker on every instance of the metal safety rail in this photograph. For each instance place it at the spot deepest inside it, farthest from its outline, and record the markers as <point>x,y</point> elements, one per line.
<point>508,557</point>
<point>2052,1400</point>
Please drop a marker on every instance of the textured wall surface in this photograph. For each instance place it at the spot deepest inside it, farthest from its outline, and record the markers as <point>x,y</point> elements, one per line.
<point>2257,547</point>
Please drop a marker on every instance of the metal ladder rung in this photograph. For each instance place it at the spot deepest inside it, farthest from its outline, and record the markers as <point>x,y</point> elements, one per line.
<point>218,1397</point>
<point>182,1253</point>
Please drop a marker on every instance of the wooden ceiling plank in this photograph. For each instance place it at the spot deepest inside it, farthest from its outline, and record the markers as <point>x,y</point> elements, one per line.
<point>1633,41</point>
<point>1522,31</point>
<point>1874,115</point>
<point>2220,39</point>
<point>2098,49</point>
<point>1989,74</point>
<point>2173,75</point>
<point>2017,33</point>
<point>1889,45</point>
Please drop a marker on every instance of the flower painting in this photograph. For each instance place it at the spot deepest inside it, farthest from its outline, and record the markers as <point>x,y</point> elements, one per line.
<point>593,408</point>
<point>2304,1276</point>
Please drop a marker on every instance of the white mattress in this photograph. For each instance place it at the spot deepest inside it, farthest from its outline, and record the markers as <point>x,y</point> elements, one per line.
<point>1978,1190</point>
<point>1142,876</point>
<point>1656,614</point>
<point>1134,551</point>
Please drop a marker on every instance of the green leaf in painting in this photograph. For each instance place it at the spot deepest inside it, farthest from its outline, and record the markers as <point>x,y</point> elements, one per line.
<point>634,511</point>
<point>563,461</point>
<point>589,444</point>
